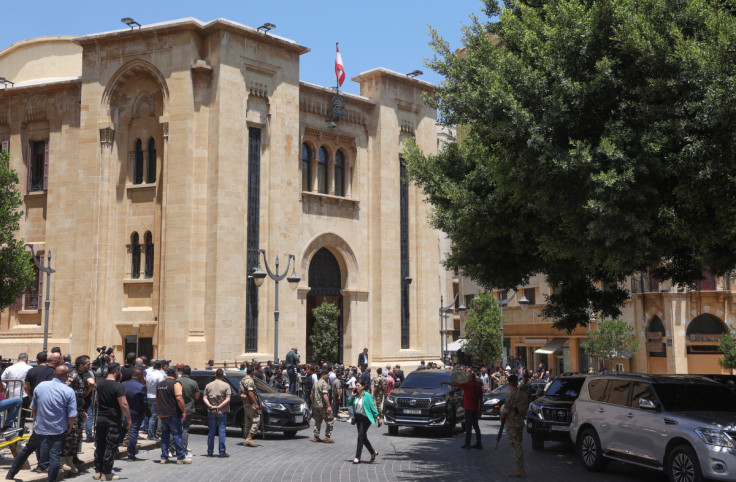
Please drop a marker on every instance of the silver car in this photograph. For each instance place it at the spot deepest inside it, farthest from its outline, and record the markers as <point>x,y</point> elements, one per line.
<point>684,425</point>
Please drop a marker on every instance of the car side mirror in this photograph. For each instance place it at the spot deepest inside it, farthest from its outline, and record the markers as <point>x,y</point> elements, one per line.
<point>646,404</point>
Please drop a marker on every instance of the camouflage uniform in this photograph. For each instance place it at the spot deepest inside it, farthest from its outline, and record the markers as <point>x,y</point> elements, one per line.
<point>320,410</point>
<point>77,383</point>
<point>252,415</point>
<point>379,390</point>
<point>516,406</point>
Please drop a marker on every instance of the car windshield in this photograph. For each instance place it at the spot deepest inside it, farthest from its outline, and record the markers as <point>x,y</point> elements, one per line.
<point>260,385</point>
<point>565,389</point>
<point>687,397</point>
<point>427,380</point>
<point>502,388</point>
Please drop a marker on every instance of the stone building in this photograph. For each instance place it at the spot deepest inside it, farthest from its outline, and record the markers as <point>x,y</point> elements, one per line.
<point>156,162</point>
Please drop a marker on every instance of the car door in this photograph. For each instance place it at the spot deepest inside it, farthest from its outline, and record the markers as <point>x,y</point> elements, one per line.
<point>616,412</point>
<point>645,429</point>
<point>200,409</point>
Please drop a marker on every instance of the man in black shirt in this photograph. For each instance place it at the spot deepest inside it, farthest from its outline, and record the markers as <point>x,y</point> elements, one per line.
<point>111,405</point>
<point>38,374</point>
<point>127,370</point>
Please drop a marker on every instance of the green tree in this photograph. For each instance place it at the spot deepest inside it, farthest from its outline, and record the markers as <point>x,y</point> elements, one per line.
<point>727,345</point>
<point>613,339</point>
<point>484,329</point>
<point>596,141</point>
<point>16,266</point>
<point>325,336</point>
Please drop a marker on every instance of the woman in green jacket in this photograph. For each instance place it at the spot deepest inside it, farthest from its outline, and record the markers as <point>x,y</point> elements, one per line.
<point>365,414</point>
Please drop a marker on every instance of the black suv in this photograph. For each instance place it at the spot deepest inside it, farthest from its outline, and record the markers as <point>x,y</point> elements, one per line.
<point>280,412</point>
<point>423,402</point>
<point>549,416</point>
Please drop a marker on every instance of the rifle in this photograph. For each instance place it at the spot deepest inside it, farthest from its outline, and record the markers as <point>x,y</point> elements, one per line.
<point>500,433</point>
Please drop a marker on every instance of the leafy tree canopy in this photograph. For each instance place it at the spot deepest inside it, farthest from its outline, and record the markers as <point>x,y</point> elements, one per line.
<point>325,336</point>
<point>16,266</point>
<point>613,339</point>
<point>727,345</point>
<point>596,140</point>
<point>484,330</point>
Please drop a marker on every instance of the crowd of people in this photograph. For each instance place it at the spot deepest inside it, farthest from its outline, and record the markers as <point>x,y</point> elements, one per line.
<point>116,405</point>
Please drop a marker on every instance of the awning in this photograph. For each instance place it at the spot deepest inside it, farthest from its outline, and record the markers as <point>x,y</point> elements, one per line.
<point>552,346</point>
<point>456,345</point>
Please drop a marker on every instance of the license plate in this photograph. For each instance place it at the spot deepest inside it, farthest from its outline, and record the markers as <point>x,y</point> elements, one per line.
<point>299,419</point>
<point>559,428</point>
<point>412,411</point>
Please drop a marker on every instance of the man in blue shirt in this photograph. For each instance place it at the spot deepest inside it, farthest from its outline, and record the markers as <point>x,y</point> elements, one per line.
<point>135,394</point>
<point>54,408</point>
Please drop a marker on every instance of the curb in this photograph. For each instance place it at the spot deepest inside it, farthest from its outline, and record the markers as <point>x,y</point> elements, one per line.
<point>87,456</point>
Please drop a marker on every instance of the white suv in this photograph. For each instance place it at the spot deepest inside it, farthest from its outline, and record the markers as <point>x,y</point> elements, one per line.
<point>682,424</point>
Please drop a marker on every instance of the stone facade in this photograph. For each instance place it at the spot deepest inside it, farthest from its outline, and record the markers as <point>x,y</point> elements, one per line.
<point>144,197</point>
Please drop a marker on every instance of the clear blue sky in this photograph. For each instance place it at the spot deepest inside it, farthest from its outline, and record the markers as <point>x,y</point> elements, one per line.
<point>373,33</point>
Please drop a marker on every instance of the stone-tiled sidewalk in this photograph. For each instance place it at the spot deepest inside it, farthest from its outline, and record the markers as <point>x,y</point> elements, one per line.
<point>412,455</point>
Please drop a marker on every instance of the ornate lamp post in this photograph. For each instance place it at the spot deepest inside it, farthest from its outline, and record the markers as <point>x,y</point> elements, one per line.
<point>47,299</point>
<point>443,321</point>
<point>259,275</point>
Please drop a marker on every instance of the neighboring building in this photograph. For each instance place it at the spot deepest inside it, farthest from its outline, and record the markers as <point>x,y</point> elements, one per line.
<point>157,161</point>
<point>678,328</point>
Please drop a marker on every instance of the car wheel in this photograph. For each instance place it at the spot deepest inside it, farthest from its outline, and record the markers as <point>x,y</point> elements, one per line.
<point>289,433</point>
<point>450,423</point>
<point>393,429</point>
<point>590,451</point>
<point>240,421</point>
<point>683,466</point>
<point>537,442</point>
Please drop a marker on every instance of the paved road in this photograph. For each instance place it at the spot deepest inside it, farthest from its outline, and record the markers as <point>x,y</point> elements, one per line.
<point>413,455</point>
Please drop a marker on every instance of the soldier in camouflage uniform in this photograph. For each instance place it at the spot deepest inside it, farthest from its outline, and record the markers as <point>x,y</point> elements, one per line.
<point>77,383</point>
<point>379,391</point>
<point>322,408</point>
<point>249,395</point>
<point>513,414</point>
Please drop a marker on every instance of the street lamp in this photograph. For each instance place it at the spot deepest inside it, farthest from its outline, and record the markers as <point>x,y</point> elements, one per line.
<point>501,304</point>
<point>259,275</point>
<point>443,321</point>
<point>524,302</point>
<point>47,299</point>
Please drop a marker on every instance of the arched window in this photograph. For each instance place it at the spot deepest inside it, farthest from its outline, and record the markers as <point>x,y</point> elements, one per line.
<point>135,256</point>
<point>703,335</point>
<point>138,168</point>
<point>339,173</point>
<point>149,255</point>
<point>322,162</point>
<point>306,168</point>
<point>705,325</point>
<point>151,173</point>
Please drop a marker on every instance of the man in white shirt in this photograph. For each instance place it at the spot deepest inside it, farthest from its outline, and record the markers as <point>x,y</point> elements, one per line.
<point>352,380</point>
<point>484,379</point>
<point>152,379</point>
<point>16,372</point>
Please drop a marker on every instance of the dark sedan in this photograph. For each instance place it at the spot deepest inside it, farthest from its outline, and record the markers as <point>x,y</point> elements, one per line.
<point>280,412</point>
<point>493,401</point>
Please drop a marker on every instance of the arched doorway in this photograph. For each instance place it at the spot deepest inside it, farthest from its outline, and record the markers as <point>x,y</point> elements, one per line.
<point>657,346</point>
<point>325,282</point>
<point>703,335</point>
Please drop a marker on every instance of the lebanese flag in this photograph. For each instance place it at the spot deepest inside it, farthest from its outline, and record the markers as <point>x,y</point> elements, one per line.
<point>339,68</point>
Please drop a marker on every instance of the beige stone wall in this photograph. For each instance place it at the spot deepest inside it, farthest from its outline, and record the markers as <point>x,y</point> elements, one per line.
<point>195,89</point>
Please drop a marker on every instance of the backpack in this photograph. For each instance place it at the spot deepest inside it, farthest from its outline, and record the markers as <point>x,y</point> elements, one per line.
<point>307,384</point>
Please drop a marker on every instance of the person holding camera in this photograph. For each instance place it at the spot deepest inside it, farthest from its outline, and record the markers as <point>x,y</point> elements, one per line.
<point>365,414</point>
<point>217,399</point>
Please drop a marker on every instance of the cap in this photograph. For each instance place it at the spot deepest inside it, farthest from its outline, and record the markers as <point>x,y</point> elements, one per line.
<point>294,348</point>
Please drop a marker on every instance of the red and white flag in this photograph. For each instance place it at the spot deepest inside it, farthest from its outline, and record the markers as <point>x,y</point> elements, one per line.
<point>339,68</point>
